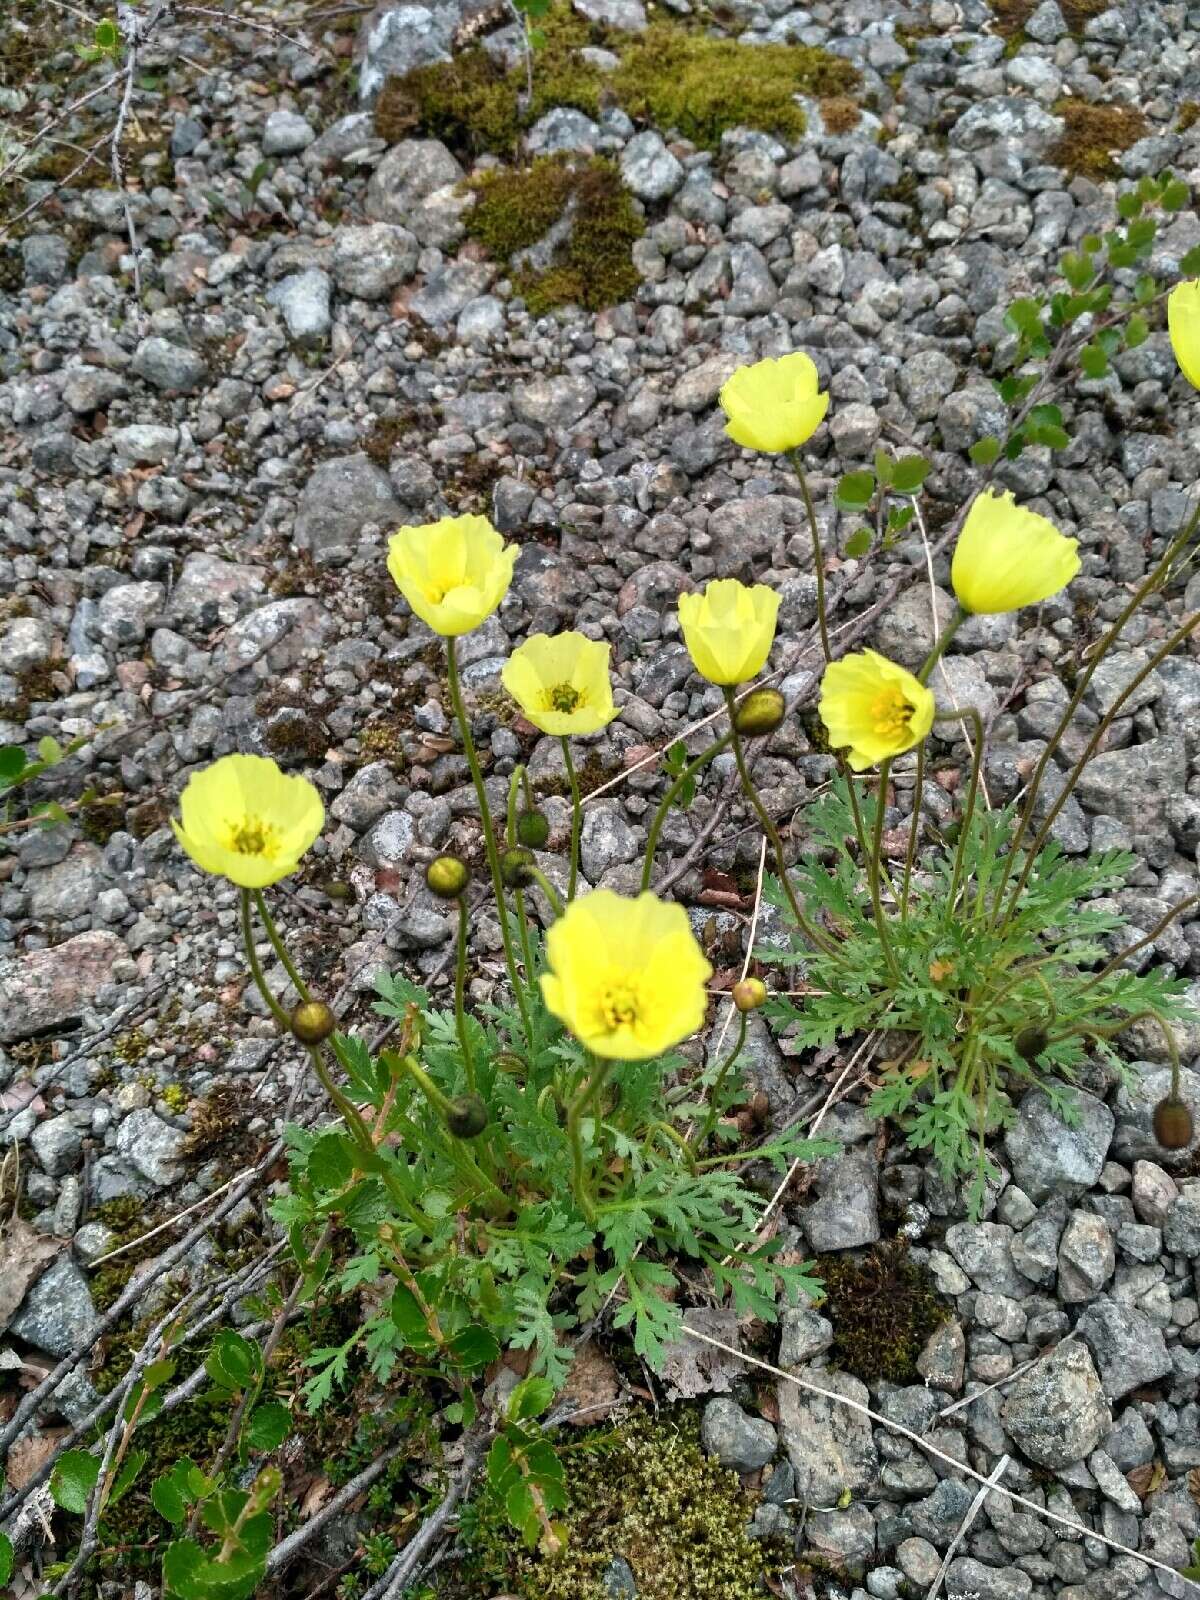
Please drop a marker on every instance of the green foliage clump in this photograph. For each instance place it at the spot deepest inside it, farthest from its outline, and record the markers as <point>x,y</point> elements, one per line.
<point>592,266</point>
<point>1094,135</point>
<point>645,1491</point>
<point>883,1307</point>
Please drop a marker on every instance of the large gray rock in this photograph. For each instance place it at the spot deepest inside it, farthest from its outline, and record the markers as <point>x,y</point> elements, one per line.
<point>1001,117</point>
<point>285,133</point>
<point>845,1213</point>
<point>984,1251</point>
<point>340,499</point>
<point>648,168</point>
<point>1135,784</point>
<point>57,1312</point>
<point>1048,1156</point>
<point>57,1143</point>
<point>167,366</point>
<point>152,1147</point>
<point>48,989</point>
<point>304,300</point>
<point>737,1439</point>
<point>1128,1349</point>
<point>408,174</point>
<point>212,592</point>
<point>370,261</point>
<point>1056,1413</point>
<point>556,402</point>
<point>830,1446</point>
<point>396,38</point>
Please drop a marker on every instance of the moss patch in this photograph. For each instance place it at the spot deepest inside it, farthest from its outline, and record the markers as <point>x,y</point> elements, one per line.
<point>1093,135</point>
<point>1012,15</point>
<point>592,266</point>
<point>1189,113</point>
<point>883,1307</point>
<point>673,75</point>
<point>840,113</point>
<point>647,1492</point>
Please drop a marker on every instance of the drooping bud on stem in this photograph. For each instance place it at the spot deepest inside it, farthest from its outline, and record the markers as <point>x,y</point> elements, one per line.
<point>1173,1125</point>
<point>447,877</point>
<point>749,993</point>
<point>467,1117</point>
<point>1030,1043</point>
<point>312,1022</point>
<point>761,712</point>
<point>515,868</point>
<point>533,829</point>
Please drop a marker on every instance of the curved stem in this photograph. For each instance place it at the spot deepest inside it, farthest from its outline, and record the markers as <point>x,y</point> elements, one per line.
<point>668,800</point>
<point>280,949</point>
<point>489,834</point>
<point>520,779</point>
<point>910,855</point>
<point>772,833</point>
<point>547,888</point>
<point>700,1138</point>
<point>818,553</point>
<point>256,971</point>
<point>1112,1029</point>
<point>969,808</point>
<point>874,868</point>
<point>575,1113</point>
<point>576,816</point>
<point>460,990</point>
<point>664,1130</point>
<point>1122,956</point>
<point>940,646</point>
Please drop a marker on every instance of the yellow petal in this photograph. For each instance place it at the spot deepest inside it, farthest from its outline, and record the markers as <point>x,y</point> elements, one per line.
<point>1008,557</point>
<point>873,708</point>
<point>1183,324</point>
<point>729,629</point>
<point>774,405</point>
<point>245,820</point>
<point>453,573</point>
<point>561,683</point>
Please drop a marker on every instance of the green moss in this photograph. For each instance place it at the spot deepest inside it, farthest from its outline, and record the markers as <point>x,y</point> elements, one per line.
<point>592,266</point>
<point>217,1120</point>
<point>883,1308</point>
<point>131,1046</point>
<point>673,75</point>
<point>175,1098</point>
<point>1093,134</point>
<point>647,1492</point>
<point>1189,113</point>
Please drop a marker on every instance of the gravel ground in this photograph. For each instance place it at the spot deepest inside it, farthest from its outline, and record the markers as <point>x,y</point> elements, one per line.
<point>193,511</point>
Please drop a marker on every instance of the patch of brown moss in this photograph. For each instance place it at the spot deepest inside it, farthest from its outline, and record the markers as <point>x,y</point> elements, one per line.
<point>1094,136</point>
<point>840,113</point>
<point>883,1307</point>
<point>1189,113</point>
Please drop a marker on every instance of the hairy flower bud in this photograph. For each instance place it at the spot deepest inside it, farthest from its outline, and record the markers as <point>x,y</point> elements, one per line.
<point>1030,1043</point>
<point>514,868</point>
<point>1173,1125</point>
<point>467,1117</point>
<point>533,829</point>
<point>312,1021</point>
<point>446,877</point>
<point>749,994</point>
<point>760,712</point>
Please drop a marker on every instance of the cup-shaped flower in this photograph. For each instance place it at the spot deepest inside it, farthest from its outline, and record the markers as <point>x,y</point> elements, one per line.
<point>774,405</point>
<point>729,629</point>
<point>872,708</point>
<point>245,820</point>
<point>561,683</point>
<point>453,573</point>
<point>1183,324</point>
<point>626,976</point>
<point>1008,557</point>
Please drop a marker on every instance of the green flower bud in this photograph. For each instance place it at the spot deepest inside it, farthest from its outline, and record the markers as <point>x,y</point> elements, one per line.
<point>312,1021</point>
<point>533,829</point>
<point>467,1117</point>
<point>1173,1125</point>
<point>760,712</point>
<point>447,877</point>
<point>749,994</point>
<point>1030,1043</point>
<point>514,868</point>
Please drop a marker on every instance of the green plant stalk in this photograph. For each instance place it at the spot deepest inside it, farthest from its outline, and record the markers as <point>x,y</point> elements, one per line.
<point>520,778</point>
<point>577,1109</point>
<point>1122,956</point>
<point>668,800</point>
<point>489,834</point>
<point>1111,1029</point>
<point>280,949</point>
<point>910,854</point>
<point>943,641</point>
<point>256,971</point>
<point>972,795</point>
<point>772,833</point>
<point>818,553</point>
<point>874,869</point>
<point>1147,586</point>
<point>860,826</point>
<point>441,1104</point>
<point>1089,750</point>
<point>664,1130</point>
<point>576,816</point>
<point>460,992</point>
<point>701,1136</point>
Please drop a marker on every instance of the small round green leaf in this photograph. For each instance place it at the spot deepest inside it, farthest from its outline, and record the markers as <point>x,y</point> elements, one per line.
<point>73,1479</point>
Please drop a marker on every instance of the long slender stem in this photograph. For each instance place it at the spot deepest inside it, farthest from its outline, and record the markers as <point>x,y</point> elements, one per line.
<point>818,553</point>
<point>874,871</point>
<point>280,949</point>
<point>910,855</point>
<point>1122,956</point>
<point>668,800</point>
<point>772,833</point>
<point>547,888</point>
<point>700,1138</point>
<point>575,1113</point>
<point>489,834</point>
<point>460,993</point>
<point>519,779</point>
<point>256,971</point>
<point>969,808</point>
<point>941,644</point>
<point>576,816</point>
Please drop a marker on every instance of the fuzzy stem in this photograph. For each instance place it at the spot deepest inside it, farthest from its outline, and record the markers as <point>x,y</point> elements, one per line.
<point>575,1112</point>
<point>520,779</point>
<point>969,808</point>
<point>281,950</point>
<point>818,553</point>
<point>910,855</point>
<point>874,869</point>
<point>1122,956</point>
<point>940,645</point>
<point>547,888</point>
<point>576,816</point>
<point>256,971</point>
<point>668,800</point>
<point>460,989</point>
<point>700,1138</point>
<point>489,834</point>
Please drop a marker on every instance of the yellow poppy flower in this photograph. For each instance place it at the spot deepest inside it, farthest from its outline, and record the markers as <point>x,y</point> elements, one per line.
<point>873,708</point>
<point>561,684</point>
<point>1183,324</point>
<point>729,629</point>
<point>245,820</point>
<point>453,573</point>
<point>774,405</point>
<point>1007,557</point>
<point>626,976</point>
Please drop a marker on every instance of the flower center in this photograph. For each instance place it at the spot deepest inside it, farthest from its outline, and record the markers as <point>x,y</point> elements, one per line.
<point>891,714</point>
<point>618,1006</point>
<point>563,697</point>
<point>252,837</point>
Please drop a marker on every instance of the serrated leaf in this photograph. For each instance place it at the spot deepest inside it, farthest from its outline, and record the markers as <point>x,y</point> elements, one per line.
<point>1175,196</point>
<point>473,1349</point>
<point>529,1399</point>
<point>73,1479</point>
<point>330,1166</point>
<point>13,762</point>
<point>884,467</point>
<point>49,750</point>
<point>6,1558</point>
<point>268,1426</point>
<point>1093,361</point>
<point>233,1362</point>
<point>124,1481</point>
<point>1189,264</point>
<point>1137,331</point>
